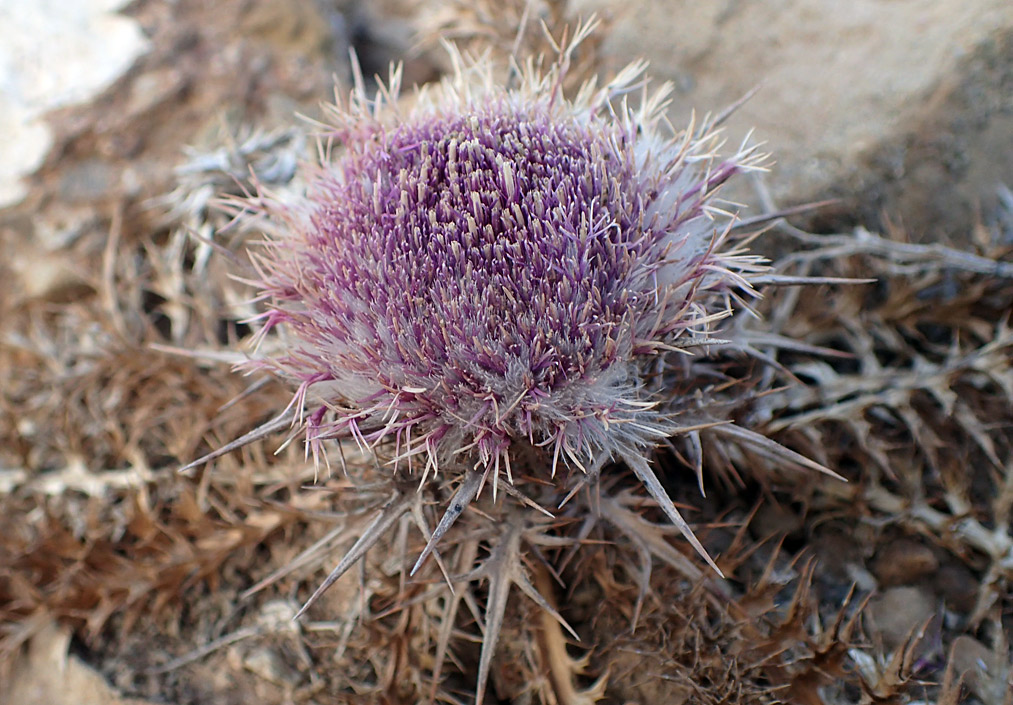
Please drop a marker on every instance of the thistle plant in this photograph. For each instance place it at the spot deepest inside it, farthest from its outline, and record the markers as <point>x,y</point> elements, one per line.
<point>503,293</point>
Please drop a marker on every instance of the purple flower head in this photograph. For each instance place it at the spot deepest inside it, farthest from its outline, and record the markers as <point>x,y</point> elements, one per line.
<point>484,278</point>
<point>493,267</point>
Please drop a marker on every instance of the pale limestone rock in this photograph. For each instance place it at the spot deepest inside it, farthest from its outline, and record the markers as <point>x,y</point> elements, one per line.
<point>53,53</point>
<point>903,106</point>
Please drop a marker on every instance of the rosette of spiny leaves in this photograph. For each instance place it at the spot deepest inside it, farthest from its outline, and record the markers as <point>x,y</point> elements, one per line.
<point>490,288</point>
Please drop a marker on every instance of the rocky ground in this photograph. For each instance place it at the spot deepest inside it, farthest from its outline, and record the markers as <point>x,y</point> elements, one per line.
<point>138,584</point>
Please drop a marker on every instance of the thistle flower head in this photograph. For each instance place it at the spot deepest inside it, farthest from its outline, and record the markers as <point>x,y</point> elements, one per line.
<point>491,268</point>
<point>485,274</point>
